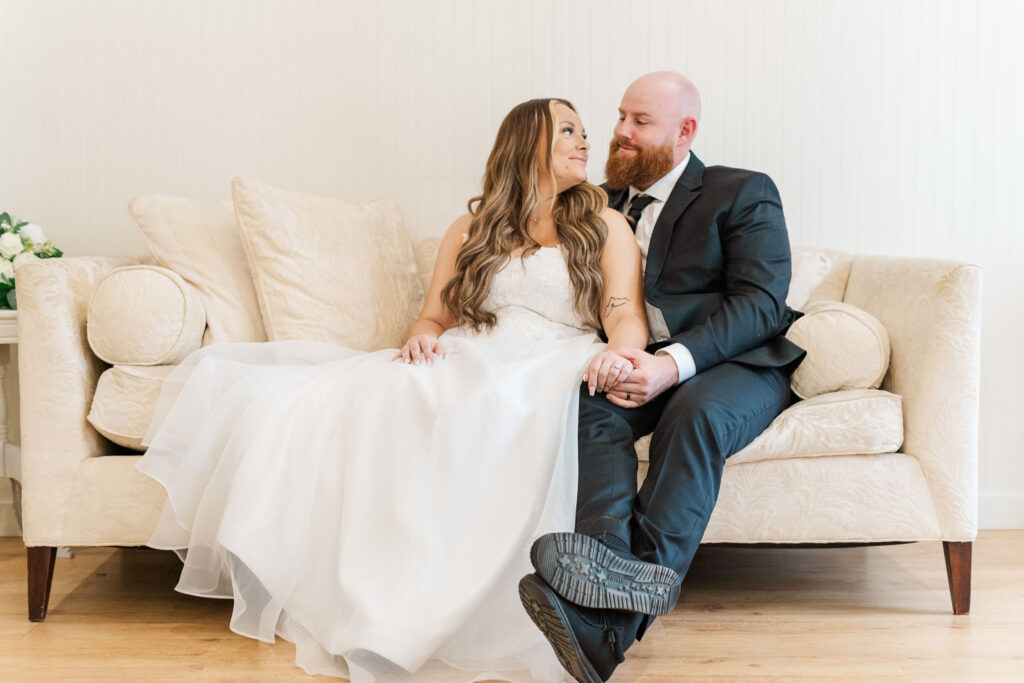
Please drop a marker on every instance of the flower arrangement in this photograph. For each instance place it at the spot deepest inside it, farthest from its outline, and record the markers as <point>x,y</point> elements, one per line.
<point>21,242</point>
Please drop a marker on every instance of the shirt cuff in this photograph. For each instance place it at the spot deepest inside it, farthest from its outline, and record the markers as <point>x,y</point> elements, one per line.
<point>683,358</point>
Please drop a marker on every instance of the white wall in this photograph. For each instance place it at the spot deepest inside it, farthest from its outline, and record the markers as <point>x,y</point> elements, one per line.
<point>889,126</point>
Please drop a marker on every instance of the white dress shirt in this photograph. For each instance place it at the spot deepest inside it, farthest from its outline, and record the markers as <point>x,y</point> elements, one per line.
<point>660,191</point>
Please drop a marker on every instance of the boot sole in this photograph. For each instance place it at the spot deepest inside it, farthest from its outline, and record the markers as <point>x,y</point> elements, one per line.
<point>541,604</point>
<point>586,573</point>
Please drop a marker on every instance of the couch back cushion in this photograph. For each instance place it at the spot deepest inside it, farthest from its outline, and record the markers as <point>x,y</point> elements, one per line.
<point>328,270</point>
<point>200,242</point>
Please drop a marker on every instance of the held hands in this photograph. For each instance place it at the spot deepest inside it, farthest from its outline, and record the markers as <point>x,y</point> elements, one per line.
<point>651,376</point>
<point>606,371</point>
<point>421,348</point>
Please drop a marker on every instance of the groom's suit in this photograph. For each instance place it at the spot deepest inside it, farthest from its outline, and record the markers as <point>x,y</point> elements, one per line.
<point>718,268</point>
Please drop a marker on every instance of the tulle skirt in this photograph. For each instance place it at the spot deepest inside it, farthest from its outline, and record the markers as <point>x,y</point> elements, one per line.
<point>378,515</point>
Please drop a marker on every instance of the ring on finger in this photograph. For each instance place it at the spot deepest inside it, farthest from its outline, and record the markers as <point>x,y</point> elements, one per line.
<point>627,396</point>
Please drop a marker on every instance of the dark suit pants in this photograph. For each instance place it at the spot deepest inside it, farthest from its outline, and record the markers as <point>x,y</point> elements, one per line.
<point>695,426</point>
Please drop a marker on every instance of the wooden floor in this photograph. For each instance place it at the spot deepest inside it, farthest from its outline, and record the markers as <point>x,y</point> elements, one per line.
<point>873,614</point>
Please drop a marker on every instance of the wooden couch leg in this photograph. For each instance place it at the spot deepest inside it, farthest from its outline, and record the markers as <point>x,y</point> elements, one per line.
<point>40,578</point>
<point>958,571</point>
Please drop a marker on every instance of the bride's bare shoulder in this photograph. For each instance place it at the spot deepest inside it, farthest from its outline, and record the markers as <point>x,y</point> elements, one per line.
<point>616,221</point>
<point>457,231</point>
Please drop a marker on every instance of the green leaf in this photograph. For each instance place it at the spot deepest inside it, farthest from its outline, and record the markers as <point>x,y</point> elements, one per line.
<point>12,299</point>
<point>6,218</point>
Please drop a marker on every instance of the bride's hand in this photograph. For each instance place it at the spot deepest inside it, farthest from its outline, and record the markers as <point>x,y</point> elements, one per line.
<point>420,348</point>
<point>606,370</point>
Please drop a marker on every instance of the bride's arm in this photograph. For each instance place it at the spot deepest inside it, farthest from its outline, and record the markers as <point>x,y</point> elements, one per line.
<point>435,318</point>
<point>622,302</point>
<point>622,305</point>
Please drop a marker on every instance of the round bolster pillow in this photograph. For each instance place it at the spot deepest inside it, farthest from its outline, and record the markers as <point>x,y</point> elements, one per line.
<point>847,348</point>
<point>144,315</point>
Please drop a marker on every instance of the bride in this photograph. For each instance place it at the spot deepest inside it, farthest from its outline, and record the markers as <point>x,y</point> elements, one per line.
<point>377,509</point>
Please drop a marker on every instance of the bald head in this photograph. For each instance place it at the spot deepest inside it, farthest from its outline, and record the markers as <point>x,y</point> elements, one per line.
<point>659,109</point>
<point>673,91</point>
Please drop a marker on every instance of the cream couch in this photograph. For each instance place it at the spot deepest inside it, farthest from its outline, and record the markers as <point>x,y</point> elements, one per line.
<point>893,464</point>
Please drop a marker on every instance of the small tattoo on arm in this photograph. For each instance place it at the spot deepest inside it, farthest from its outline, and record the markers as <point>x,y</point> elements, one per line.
<point>614,302</point>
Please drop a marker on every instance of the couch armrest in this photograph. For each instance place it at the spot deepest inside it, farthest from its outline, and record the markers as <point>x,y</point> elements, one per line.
<point>932,312</point>
<point>58,374</point>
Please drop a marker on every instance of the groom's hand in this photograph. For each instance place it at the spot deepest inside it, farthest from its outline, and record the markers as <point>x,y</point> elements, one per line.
<point>651,376</point>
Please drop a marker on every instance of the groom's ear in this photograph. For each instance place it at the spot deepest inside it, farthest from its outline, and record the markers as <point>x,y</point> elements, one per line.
<point>687,130</point>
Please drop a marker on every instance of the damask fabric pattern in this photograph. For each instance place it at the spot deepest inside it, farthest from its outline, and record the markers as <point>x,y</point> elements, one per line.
<point>328,270</point>
<point>856,422</point>
<point>847,348</point>
<point>200,241</point>
<point>109,502</point>
<point>932,313</point>
<point>126,396</point>
<point>58,373</point>
<point>845,498</point>
<point>144,315</point>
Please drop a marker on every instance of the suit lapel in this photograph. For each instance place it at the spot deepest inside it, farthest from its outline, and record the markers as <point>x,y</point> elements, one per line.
<point>686,190</point>
<point>617,200</point>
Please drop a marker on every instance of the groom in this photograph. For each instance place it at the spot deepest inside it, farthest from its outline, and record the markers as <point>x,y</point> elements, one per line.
<point>716,372</point>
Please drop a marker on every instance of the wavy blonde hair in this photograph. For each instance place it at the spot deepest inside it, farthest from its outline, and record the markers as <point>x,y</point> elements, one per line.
<point>501,219</point>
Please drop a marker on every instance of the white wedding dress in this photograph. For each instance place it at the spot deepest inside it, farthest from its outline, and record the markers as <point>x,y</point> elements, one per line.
<point>379,515</point>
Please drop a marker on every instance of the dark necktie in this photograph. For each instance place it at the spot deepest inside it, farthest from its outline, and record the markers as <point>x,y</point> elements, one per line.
<point>636,207</point>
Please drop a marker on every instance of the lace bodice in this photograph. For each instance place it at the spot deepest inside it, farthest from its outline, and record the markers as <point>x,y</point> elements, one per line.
<point>533,297</point>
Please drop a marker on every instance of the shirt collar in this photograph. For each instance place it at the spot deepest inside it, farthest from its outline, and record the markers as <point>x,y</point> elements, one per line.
<point>662,188</point>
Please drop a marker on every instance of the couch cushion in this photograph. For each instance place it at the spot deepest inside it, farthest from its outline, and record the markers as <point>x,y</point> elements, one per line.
<point>861,422</point>
<point>810,268</point>
<point>833,287</point>
<point>200,242</point>
<point>847,348</point>
<point>144,315</point>
<point>125,399</point>
<point>845,499</point>
<point>426,255</point>
<point>328,270</point>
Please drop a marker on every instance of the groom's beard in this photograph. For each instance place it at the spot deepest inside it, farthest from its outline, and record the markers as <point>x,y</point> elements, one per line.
<point>640,171</point>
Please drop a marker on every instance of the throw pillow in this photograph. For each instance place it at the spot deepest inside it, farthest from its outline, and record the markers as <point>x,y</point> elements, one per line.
<point>200,242</point>
<point>810,268</point>
<point>144,315</point>
<point>328,270</point>
<point>847,348</point>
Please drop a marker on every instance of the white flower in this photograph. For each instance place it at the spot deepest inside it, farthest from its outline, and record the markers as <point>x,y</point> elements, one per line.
<point>6,269</point>
<point>33,233</point>
<point>22,259</point>
<point>10,245</point>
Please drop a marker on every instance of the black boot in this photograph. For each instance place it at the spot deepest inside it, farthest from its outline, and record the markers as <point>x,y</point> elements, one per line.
<point>589,643</point>
<point>587,573</point>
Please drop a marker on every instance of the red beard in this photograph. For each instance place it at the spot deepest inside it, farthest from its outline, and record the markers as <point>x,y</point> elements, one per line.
<point>639,171</point>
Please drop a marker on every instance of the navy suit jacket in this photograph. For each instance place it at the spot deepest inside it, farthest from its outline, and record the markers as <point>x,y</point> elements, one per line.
<point>719,268</point>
